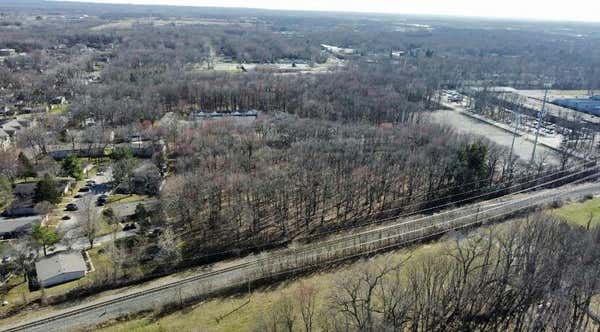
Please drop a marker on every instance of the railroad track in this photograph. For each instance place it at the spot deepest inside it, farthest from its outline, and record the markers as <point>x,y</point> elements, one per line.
<point>310,256</point>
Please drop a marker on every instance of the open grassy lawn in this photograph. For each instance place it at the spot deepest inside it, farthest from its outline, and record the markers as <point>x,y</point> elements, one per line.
<point>59,109</point>
<point>121,198</point>
<point>5,203</point>
<point>106,228</point>
<point>99,259</point>
<point>579,213</point>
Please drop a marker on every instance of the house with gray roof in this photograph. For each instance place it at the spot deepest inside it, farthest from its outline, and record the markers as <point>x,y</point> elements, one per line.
<point>60,268</point>
<point>17,227</point>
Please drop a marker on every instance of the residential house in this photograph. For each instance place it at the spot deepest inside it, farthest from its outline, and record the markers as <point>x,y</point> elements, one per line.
<point>13,126</point>
<point>24,205</point>
<point>17,227</point>
<point>60,268</point>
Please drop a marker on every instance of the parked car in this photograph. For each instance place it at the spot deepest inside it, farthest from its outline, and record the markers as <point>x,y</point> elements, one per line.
<point>155,232</point>
<point>102,199</point>
<point>90,183</point>
<point>84,189</point>
<point>72,207</point>
<point>66,217</point>
<point>129,227</point>
<point>78,196</point>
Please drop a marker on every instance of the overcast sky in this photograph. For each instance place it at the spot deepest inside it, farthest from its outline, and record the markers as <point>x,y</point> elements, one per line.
<point>571,10</point>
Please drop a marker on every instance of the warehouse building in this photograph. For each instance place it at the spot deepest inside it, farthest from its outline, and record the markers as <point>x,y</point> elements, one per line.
<point>585,105</point>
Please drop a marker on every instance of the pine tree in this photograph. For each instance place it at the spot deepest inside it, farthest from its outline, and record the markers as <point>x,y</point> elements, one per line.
<point>71,166</point>
<point>25,169</point>
<point>46,191</point>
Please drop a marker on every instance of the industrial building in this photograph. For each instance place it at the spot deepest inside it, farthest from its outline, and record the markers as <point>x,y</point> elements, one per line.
<point>586,105</point>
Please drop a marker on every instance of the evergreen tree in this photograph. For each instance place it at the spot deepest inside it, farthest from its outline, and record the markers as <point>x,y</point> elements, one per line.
<point>25,168</point>
<point>46,191</point>
<point>141,214</point>
<point>71,166</point>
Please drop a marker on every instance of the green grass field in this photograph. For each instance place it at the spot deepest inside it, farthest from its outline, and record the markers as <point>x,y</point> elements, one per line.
<point>121,198</point>
<point>59,109</point>
<point>579,213</point>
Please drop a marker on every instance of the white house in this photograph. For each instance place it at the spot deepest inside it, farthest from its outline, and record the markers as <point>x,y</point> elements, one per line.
<point>60,268</point>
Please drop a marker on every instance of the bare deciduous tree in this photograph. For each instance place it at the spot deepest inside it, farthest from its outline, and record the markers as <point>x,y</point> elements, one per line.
<point>91,219</point>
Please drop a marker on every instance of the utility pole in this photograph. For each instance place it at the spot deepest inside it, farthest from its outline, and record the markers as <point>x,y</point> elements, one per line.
<point>512,146</point>
<point>539,122</point>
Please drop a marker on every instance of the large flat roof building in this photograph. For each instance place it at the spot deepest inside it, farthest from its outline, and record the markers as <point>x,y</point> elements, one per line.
<point>589,105</point>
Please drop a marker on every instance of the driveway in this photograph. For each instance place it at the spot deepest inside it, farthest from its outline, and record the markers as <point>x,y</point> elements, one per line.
<point>83,243</point>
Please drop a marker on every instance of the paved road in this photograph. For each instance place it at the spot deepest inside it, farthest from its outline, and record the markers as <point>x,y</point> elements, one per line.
<point>400,232</point>
<point>70,227</point>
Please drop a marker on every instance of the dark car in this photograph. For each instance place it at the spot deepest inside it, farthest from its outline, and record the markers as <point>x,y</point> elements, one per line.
<point>66,218</point>
<point>78,196</point>
<point>84,189</point>
<point>155,232</point>
<point>71,207</point>
<point>129,227</point>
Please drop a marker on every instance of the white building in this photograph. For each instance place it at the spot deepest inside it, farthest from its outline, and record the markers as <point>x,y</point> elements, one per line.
<point>60,268</point>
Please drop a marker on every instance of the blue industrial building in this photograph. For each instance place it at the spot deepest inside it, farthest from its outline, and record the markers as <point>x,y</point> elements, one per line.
<point>590,105</point>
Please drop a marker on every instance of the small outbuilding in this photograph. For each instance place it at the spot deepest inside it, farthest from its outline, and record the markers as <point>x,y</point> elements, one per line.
<point>60,268</point>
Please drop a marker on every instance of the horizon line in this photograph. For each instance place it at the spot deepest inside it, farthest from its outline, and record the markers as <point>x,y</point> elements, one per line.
<point>352,12</point>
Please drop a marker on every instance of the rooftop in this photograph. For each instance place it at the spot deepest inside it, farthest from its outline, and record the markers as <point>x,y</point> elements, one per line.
<point>17,224</point>
<point>57,264</point>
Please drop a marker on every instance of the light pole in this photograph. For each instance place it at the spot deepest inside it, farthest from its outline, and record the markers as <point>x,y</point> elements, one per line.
<point>539,121</point>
